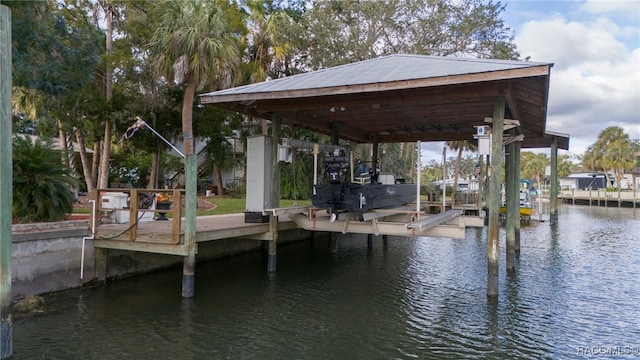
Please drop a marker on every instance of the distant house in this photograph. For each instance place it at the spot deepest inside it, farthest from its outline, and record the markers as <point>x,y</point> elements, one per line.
<point>585,181</point>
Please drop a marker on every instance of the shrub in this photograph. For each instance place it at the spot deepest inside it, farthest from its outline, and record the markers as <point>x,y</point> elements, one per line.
<point>41,182</point>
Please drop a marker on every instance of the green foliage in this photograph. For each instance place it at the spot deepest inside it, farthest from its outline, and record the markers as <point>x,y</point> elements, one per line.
<point>613,151</point>
<point>339,32</point>
<point>134,169</point>
<point>41,183</point>
<point>236,190</point>
<point>295,181</point>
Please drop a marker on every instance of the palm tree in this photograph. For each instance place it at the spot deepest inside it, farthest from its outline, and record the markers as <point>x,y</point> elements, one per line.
<point>460,146</point>
<point>265,44</point>
<point>532,165</point>
<point>41,182</point>
<point>194,46</point>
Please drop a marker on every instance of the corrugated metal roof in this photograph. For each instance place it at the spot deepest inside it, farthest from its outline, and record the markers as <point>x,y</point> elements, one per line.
<point>403,98</point>
<point>384,69</point>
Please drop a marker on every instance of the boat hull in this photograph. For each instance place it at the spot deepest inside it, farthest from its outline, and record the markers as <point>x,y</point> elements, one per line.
<point>524,211</point>
<point>352,197</point>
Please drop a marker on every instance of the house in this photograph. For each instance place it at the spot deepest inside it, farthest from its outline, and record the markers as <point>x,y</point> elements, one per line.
<point>585,181</point>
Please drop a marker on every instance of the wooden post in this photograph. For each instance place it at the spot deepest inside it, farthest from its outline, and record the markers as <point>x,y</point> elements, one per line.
<point>190,206</point>
<point>374,155</point>
<point>516,169</point>
<point>511,207</point>
<point>176,219</point>
<point>553,196</point>
<point>133,214</point>
<point>370,241</point>
<point>275,193</point>
<point>273,244</point>
<point>493,201</point>
<point>483,173</point>
<point>6,185</point>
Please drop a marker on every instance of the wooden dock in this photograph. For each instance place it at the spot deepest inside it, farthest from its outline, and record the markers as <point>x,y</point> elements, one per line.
<point>162,237</point>
<point>627,199</point>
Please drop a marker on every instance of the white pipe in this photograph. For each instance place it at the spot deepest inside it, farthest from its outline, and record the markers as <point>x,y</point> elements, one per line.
<point>418,180</point>
<point>93,233</point>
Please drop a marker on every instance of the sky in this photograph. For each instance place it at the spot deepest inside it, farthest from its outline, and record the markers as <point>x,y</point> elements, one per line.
<point>595,80</point>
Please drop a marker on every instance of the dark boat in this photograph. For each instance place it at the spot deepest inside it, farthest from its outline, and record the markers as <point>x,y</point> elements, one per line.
<point>365,193</point>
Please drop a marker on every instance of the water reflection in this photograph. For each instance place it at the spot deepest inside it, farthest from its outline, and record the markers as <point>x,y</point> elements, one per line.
<point>574,285</point>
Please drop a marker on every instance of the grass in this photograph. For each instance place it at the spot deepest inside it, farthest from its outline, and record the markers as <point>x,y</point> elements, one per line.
<point>234,206</point>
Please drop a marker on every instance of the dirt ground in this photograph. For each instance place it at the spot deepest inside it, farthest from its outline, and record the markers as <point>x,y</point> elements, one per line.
<point>203,204</point>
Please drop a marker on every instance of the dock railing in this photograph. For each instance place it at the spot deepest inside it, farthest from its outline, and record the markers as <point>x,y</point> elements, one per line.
<point>115,205</point>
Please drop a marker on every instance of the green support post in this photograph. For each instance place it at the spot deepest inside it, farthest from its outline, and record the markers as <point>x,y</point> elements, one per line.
<point>190,204</point>
<point>493,200</point>
<point>6,186</point>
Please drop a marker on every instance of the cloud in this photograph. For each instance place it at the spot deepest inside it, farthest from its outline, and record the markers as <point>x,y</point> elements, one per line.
<point>595,82</point>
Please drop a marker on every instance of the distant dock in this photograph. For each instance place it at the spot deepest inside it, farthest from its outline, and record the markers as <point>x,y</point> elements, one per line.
<point>626,199</point>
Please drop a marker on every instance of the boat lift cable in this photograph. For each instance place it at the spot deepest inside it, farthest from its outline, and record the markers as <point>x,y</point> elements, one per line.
<point>139,124</point>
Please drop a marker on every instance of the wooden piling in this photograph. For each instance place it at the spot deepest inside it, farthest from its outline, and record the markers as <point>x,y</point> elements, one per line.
<point>273,244</point>
<point>275,193</point>
<point>493,200</point>
<point>511,208</point>
<point>553,195</point>
<point>6,185</point>
<point>189,261</point>
<point>516,147</point>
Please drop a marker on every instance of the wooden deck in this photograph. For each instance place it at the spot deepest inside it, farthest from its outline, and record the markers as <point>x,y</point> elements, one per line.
<point>139,232</point>
<point>157,236</point>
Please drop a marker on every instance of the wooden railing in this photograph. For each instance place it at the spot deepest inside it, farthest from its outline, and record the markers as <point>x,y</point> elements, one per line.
<point>135,196</point>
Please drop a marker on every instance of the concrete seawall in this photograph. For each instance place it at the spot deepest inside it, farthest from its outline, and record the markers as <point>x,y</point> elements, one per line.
<point>46,257</point>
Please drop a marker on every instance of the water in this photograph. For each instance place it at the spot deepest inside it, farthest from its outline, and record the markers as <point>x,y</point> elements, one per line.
<point>575,292</point>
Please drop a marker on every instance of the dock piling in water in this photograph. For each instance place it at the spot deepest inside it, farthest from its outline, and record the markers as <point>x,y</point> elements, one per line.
<point>493,230</point>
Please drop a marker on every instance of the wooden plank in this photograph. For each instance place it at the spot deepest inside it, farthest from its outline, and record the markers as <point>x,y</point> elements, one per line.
<point>168,249</point>
<point>286,210</point>
<point>176,220</point>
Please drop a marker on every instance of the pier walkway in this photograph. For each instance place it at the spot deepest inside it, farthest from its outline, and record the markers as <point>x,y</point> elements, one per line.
<point>142,233</point>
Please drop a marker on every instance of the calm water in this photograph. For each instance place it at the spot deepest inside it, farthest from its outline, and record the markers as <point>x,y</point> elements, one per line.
<point>576,287</point>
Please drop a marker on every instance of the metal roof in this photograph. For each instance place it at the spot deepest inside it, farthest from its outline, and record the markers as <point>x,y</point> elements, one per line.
<point>403,98</point>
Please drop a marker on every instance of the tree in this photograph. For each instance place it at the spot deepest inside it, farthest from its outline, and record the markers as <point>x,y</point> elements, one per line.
<point>612,151</point>
<point>533,166</point>
<point>41,182</point>
<point>193,46</point>
<point>459,146</point>
<point>340,32</point>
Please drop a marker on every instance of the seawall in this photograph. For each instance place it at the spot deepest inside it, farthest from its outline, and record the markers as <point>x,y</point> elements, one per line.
<point>46,257</point>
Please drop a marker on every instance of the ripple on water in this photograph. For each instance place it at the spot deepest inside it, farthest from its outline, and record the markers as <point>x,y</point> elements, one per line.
<point>575,285</point>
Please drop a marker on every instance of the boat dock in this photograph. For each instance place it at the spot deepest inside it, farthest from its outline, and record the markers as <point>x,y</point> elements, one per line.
<point>627,199</point>
<point>167,237</point>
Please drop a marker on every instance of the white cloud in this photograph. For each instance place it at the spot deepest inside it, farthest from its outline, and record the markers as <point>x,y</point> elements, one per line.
<point>595,82</point>
<point>629,9</point>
